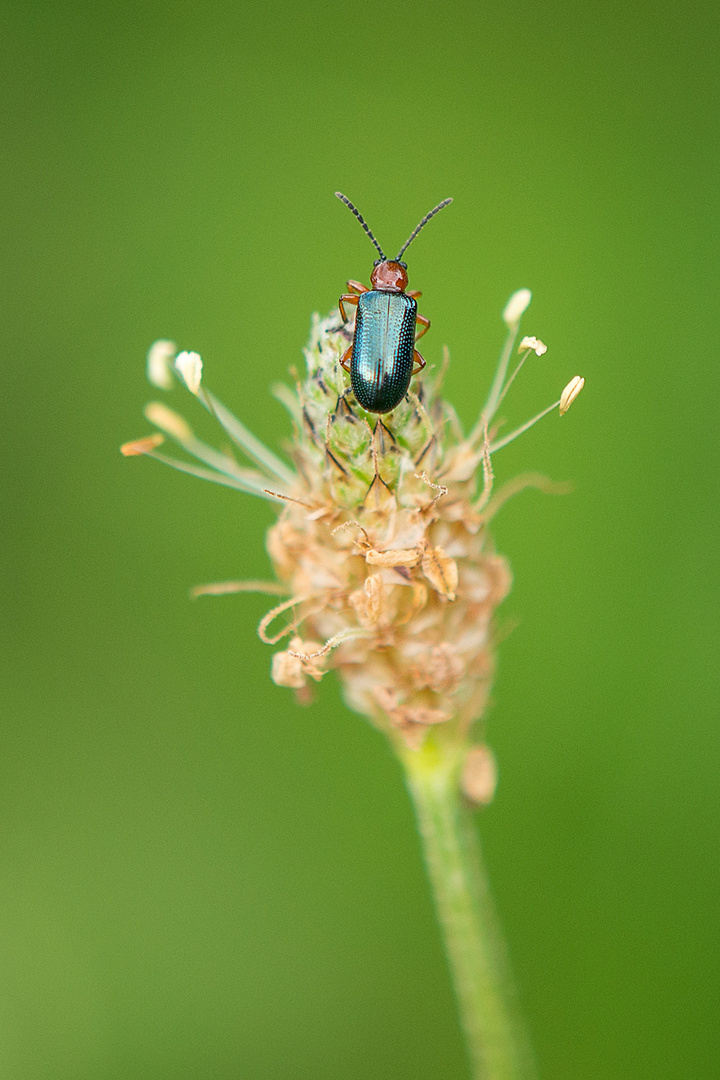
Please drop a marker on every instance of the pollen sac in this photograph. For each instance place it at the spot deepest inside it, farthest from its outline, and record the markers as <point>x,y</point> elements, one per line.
<point>532,343</point>
<point>570,392</point>
<point>189,366</point>
<point>160,357</point>
<point>168,421</point>
<point>142,446</point>
<point>518,303</point>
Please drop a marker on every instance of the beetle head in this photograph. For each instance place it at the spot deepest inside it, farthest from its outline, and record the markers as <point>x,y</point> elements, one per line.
<point>389,276</point>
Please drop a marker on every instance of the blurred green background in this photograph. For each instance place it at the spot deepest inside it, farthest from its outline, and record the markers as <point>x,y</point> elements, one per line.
<point>198,878</point>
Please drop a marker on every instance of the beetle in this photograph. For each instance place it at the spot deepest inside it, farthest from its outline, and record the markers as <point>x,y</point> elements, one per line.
<point>382,358</point>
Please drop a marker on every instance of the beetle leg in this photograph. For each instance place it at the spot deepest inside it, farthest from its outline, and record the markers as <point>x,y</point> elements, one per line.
<point>415,293</point>
<point>357,286</point>
<point>425,326</point>
<point>346,298</point>
<point>345,359</point>
<point>417,358</point>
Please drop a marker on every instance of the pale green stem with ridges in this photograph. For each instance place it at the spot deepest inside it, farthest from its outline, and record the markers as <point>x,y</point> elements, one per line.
<point>496,1040</point>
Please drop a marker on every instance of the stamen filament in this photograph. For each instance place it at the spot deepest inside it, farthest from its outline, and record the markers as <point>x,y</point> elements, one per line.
<point>209,474</point>
<point>245,439</point>
<point>180,431</point>
<point>512,378</point>
<point>227,588</point>
<point>524,427</point>
<point>490,407</point>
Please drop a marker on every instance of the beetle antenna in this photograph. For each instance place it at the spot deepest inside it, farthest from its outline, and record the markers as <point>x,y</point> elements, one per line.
<point>363,222</point>
<point>424,221</point>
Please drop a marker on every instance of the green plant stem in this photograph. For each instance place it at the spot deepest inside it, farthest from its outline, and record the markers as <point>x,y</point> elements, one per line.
<point>496,1040</point>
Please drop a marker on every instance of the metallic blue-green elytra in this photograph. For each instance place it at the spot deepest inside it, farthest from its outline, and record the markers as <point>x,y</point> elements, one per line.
<point>383,346</point>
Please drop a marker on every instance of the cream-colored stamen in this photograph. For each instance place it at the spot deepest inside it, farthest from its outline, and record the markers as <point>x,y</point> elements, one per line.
<point>533,343</point>
<point>570,392</point>
<point>168,421</point>
<point>518,303</point>
<point>159,363</point>
<point>141,446</point>
<point>189,366</point>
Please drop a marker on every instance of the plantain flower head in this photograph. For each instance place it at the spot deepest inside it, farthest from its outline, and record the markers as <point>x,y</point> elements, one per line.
<point>385,566</point>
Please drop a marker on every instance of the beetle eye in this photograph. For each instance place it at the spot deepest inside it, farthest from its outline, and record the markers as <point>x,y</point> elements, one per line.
<point>377,262</point>
<point>404,265</point>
